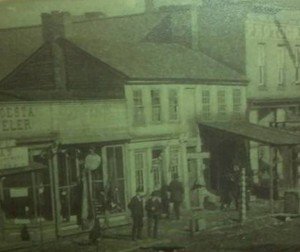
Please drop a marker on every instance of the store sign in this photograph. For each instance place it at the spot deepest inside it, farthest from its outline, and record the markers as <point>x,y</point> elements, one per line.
<point>13,157</point>
<point>16,118</point>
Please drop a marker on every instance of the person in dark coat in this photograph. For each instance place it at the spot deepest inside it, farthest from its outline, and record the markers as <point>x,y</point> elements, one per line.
<point>176,191</point>
<point>136,207</point>
<point>153,209</point>
<point>165,200</point>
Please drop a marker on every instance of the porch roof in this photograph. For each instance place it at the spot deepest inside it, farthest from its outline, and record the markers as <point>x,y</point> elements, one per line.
<point>257,133</point>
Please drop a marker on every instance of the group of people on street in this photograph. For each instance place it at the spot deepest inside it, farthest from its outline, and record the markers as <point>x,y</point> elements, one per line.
<point>157,204</point>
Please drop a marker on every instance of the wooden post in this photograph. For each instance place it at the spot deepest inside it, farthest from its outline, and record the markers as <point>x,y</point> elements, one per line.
<point>272,178</point>
<point>54,161</point>
<point>243,195</point>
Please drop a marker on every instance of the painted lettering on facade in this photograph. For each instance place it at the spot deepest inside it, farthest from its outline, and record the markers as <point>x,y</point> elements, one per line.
<point>16,118</point>
<point>13,157</point>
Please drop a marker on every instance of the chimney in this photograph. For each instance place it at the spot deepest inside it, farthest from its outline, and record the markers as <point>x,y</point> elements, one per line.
<point>149,6</point>
<point>194,24</point>
<point>56,25</point>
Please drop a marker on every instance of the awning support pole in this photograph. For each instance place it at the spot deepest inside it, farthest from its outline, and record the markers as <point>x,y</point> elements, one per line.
<point>273,152</point>
<point>243,207</point>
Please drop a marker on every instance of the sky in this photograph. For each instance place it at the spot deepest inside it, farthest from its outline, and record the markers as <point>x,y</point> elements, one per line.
<point>14,13</point>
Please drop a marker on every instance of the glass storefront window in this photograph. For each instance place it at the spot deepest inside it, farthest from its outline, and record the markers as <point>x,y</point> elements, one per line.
<point>108,182</point>
<point>27,195</point>
<point>69,186</point>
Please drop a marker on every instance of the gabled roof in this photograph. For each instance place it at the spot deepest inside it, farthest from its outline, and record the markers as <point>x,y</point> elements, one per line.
<point>17,44</point>
<point>147,60</point>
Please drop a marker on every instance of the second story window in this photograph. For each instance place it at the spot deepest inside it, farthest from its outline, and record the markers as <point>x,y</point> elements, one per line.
<point>156,106</point>
<point>221,104</point>
<point>281,65</point>
<point>206,104</point>
<point>261,64</point>
<point>237,103</point>
<point>138,108</point>
<point>173,105</point>
<point>297,65</point>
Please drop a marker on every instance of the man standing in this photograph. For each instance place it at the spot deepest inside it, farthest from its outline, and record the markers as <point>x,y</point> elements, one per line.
<point>137,213</point>
<point>176,190</point>
<point>153,208</point>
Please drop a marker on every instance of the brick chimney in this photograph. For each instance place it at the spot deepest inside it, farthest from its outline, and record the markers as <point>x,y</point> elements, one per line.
<point>149,6</point>
<point>57,25</point>
<point>194,23</point>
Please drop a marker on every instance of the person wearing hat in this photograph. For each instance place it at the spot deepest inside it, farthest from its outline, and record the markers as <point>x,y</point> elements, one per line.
<point>136,207</point>
<point>153,209</point>
<point>176,197</point>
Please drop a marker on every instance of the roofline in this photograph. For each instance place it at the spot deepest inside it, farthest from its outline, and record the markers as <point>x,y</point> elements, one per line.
<point>20,27</point>
<point>24,62</point>
<point>115,17</point>
<point>84,20</point>
<point>152,81</point>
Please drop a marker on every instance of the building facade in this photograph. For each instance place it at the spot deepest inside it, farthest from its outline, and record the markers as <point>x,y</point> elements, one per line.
<point>92,120</point>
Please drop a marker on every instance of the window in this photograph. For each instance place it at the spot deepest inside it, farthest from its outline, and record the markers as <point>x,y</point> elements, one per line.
<point>173,105</point>
<point>297,65</point>
<point>206,105</point>
<point>156,166</point>
<point>115,196</point>
<point>237,103</point>
<point>174,160</point>
<point>69,186</point>
<point>261,64</point>
<point>281,65</point>
<point>156,107</point>
<point>140,166</point>
<point>221,104</point>
<point>109,182</point>
<point>138,108</point>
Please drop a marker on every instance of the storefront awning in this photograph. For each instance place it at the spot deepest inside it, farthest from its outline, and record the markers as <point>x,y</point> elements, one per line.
<point>257,133</point>
<point>30,168</point>
<point>97,138</point>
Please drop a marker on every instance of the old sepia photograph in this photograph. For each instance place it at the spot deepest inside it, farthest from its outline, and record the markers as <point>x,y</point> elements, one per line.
<point>149,125</point>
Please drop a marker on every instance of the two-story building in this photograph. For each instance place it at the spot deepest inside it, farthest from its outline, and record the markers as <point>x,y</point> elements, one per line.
<point>99,117</point>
